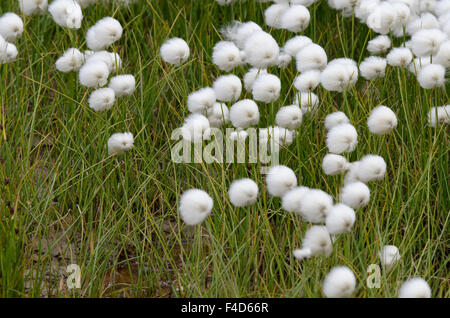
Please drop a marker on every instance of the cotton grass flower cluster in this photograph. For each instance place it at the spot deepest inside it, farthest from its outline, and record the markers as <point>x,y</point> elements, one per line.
<point>11,28</point>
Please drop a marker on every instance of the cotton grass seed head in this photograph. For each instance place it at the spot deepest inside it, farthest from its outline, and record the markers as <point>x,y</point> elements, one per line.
<point>279,180</point>
<point>118,143</point>
<point>431,76</point>
<point>201,100</point>
<point>244,114</point>
<point>104,33</point>
<point>111,59</point>
<point>335,119</point>
<point>266,88</point>
<point>250,77</point>
<point>389,255</point>
<point>218,115</point>
<point>195,206</point>
<point>261,50</point>
<point>196,128</point>
<point>342,138</point>
<point>425,21</point>
<point>175,51</point>
<point>371,168</point>
<point>289,117</point>
<point>295,19</point>
<point>334,164</point>
<point>94,74</point>
<point>311,57</point>
<point>340,219</point>
<point>295,44</point>
<point>379,44</point>
<point>355,195</point>
<point>71,60</point>
<point>308,102</point>
<point>243,192</point>
<point>427,42</point>
<point>291,199</point>
<point>8,51</point>
<point>315,205</point>
<point>102,99</point>
<point>439,115</point>
<point>226,55</point>
<point>317,242</point>
<point>307,81</point>
<point>336,77</point>
<point>443,55</point>
<point>415,288</point>
<point>399,56</point>
<point>273,14</point>
<point>382,120</point>
<point>29,7</point>
<point>11,26</point>
<point>284,59</point>
<point>228,88</point>
<point>123,85</point>
<point>238,32</point>
<point>66,13</point>
<point>373,67</point>
<point>340,282</point>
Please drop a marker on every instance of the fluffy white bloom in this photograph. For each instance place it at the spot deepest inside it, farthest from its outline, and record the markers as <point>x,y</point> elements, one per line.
<point>66,13</point>
<point>382,120</point>
<point>273,14</point>
<point>443,55</point>
<point>240,135</point>
<point>283,59</point>
<point>278,136</point>
<point>416,65</point>
<point>355,195</point>
<point>340,282</point>
<point>238,32</point>
<point>316,242</point>
<point>113,60</point>
<point>427,5</point>
<point>226,55</point>
<point>427,42</point>
<point>8,51</point>
<point>195,206</point>
<point>365,8</point>
<point>266,88</point>
<point>119,143</point>
<point>307,81</point>
<point>352,173</point>
<point>439,115</point>
<point>30,7</point>
<point>250,77</point>
<point>11,26</point>
<point>107,31</point>
<point>243,192</point>
<point>403,13</point>
<point>373,67</point>
<point>431,76</point>
<point>71,60</point>
<point>196,128</point>
<point>201,100</point>
<point>399,56</point>
<point>308,102</point>
<point>415,288</point>
<point>291,199</point>
<point>175,51</point>
<point>441,7</point>
<point>228,88</point>
<point>261,50</point>
<point>383,18</point>
<point>218,115</point>
<point>123,84</point>
<point>295,19</point>
<point>244,114</point>
<point>295,44</point>
<point>334,164</point>
<point>102,99</point>
<point>379,45</point>
<point>340,219</point>
<point>337,77</point>
<point>315,205</point>
<point>342,138</point>
<point>94,74</point>
<point>279,180</point>
<point>370,168</point>
<point>289,117</point>
<point>311,57</point>
<point>389,255</point>
<point>425,21</point>
<point>335,119</point>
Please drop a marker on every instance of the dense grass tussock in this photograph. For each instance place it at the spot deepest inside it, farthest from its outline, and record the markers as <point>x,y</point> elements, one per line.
<point>66,200</point>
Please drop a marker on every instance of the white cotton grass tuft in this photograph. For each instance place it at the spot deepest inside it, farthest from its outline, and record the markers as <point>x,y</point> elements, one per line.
<point>418,63</point>
<point>389,255</point>
<point>201,100</point>
<point>373,67</point>
<point>11,26</point>
<point>279,180</point>
<point>335,119</point>
<point>337,77</point>
<point>238,136</point>
<point>226,55</point>
<point>383,18</point>
<point>273,15</point>
<point>111,59</point>
<point>427,42</point>
<point>379,44</point>
<point>118,143</point>
<point>295,44</point>
<point>196,128</point>
<point>94,74</point>
<point>243,192</point>
<point>284,59</point>
<point>8,51</point>
<point>30,7</point>
<point>355,195</point>
<point>371,168</point>
<point>244,114</point>
<point>291,199</point>
<point>399,56</point>
<point>295,19</point>
<point>342,138</point>
<point>317,242</point>
<point>307,81</point>
<point>426,20</point>
<point>439,115</point>
<point>443,55</point>
<point>308,102</point>
<point>431,76</point>
<point>195,206</point>
<point>340,219</point>
<point>278,136</point>
<point>218,115</point>
<point>66,13</point>
<point>238,32</point>
<point>334,164</point>
<point>175,51</point>
<point>289,117</point>
<point>340,282</point>
<point>415,288</point>
<point>103,33</point>
<point>123,85</point>
<point>228,88</point>
<point>315,205</point>
<point>261,50</point>
<point>266,88</point>
<point>311,57</point>
<point>250,77</point>
<point>382,120</point>
<point>71,60</point>
<point>102,99</point>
